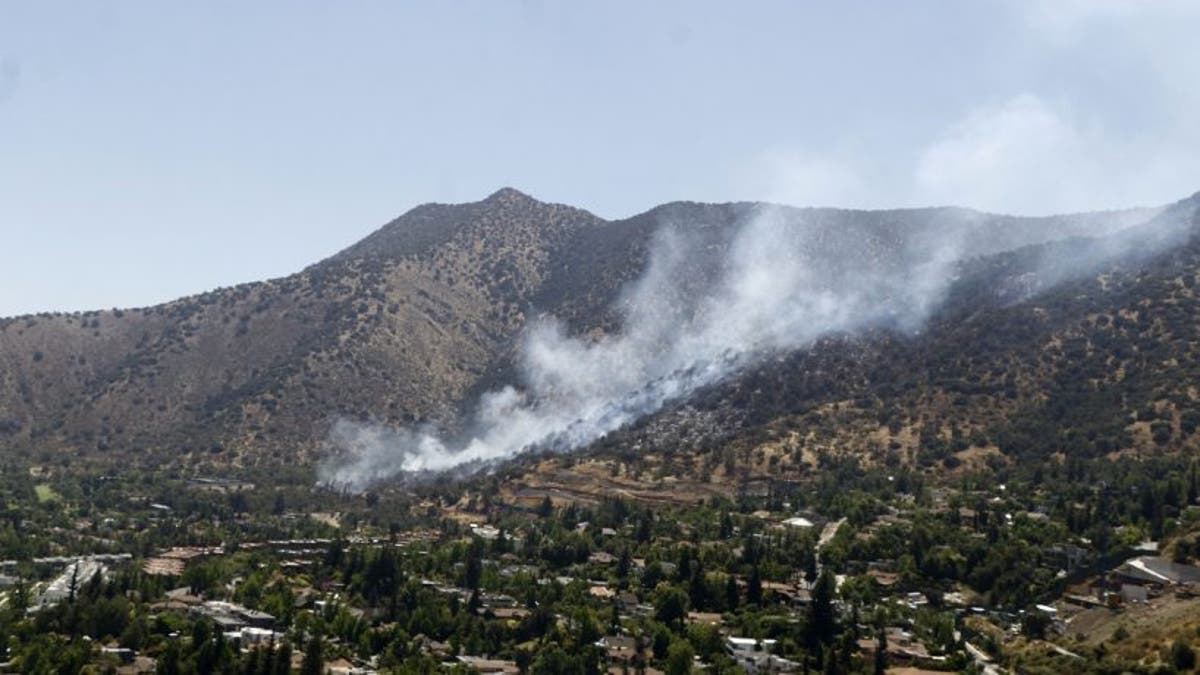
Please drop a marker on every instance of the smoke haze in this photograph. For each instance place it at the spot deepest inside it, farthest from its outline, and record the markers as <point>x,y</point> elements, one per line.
<point>783,280</point>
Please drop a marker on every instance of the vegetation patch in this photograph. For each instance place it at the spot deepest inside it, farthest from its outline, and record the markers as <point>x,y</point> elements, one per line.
<point>45,494</point>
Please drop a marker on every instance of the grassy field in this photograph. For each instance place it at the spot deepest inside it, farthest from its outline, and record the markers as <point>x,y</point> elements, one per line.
<point>45,493</point>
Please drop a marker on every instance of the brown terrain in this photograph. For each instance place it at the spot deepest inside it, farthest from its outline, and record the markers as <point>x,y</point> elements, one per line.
<point>414,321</point>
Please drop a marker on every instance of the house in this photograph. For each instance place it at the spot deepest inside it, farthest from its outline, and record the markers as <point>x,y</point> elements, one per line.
<point>304,597</point>
<point>429,646</point>
<point>884,579</point>
<point>798,522</point>
<point>1067,556</point>
<point>754,656</point>
<point>486,532</point>
<point>141,665</point>
<point>494,601</point>
<point>167,567</point>
<point>121,654</point>
<point>251,636</point>
<point>915,599</point>
<point>902,647</point>
<point>505,613</point>
<point>602,558</point>
<point>184,595</point>
<point>231,617</point>
<point>743,645</point>
<point>1138,577</point>
<point>955,599</point>
<point>345,667</point>
<point>706,618</point>
<point>786,593</point>
<point>227,624</point>
<point>489,666</point>
<point>77,573</point>
<point>627,601</point>
<point>619,648</point>
<point>256,618</point>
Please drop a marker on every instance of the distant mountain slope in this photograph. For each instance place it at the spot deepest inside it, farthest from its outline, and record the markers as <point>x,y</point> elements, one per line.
<point>406,325</point>
<point>396,328</point>
<point>1025,362</point>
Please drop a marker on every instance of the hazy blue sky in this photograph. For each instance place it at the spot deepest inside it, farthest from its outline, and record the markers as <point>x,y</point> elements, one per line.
<point>154,149</point>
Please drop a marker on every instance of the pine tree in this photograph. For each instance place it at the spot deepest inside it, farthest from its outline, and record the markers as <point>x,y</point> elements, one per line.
<point>283,660</point>
<point>754,587</point>
<point>810,566</point>
<point>252,664</point>
<point>1193,491</point>
<point>733,596</point>
<point>698,588</point>
<point>168,663</point>
<point>821,622</point>
<point>474,566</point>
<point>881,646</point>
<point>266,664</point>
<point>313,663</point>
<point>73,585</point>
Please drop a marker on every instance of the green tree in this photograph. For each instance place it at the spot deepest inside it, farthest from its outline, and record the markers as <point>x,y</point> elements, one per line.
<point>881,645</point>
<point>822,626</point>
<point>1183,657</point>
<point>733,596</point>
<point>555,661</point>
<point>586,631</point>
<point>670,605</point>
<point>168,663</point>
<point>679,658</point>
<point>314,662</point>
<point>754,587</point>
<point>283,660</point>
<point>474,565</point>
<point>252,662</point>
<point>660,642</point>
<point>1034,624</point>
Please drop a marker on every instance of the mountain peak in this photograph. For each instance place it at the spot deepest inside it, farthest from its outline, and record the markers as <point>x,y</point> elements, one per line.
<point>508,195</point>
<point>432,224</point>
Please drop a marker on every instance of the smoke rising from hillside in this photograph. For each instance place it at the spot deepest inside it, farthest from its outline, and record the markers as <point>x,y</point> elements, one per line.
<point>784,280</point>
<point>768,293</point>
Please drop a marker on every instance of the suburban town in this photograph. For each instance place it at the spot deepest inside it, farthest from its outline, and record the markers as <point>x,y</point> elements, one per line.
<point>521,337</point>
<point>890,574</point>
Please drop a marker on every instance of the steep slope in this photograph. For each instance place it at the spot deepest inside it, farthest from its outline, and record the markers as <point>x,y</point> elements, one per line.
<point>405,326</point>
<point>1027,360</point>
<point>398,330</point>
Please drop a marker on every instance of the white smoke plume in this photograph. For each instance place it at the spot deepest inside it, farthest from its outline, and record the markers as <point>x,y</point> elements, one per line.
<point>776,288</point>
<point>767,295</point>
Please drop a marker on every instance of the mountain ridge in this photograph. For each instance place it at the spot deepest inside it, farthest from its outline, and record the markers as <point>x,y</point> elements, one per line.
<point>406,326</point>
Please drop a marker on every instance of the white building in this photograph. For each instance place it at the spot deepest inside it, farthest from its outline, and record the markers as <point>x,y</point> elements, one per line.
<point>81,571</point>
<point>754,656</point>
<point>799,521</point>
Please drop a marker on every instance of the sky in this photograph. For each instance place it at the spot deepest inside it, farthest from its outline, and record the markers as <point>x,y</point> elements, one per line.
<point>150,150</point>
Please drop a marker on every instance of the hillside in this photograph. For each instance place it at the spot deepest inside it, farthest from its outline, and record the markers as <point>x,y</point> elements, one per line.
<point>412,323</point>
<point>396,330</point>
<point>1023,364</point>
